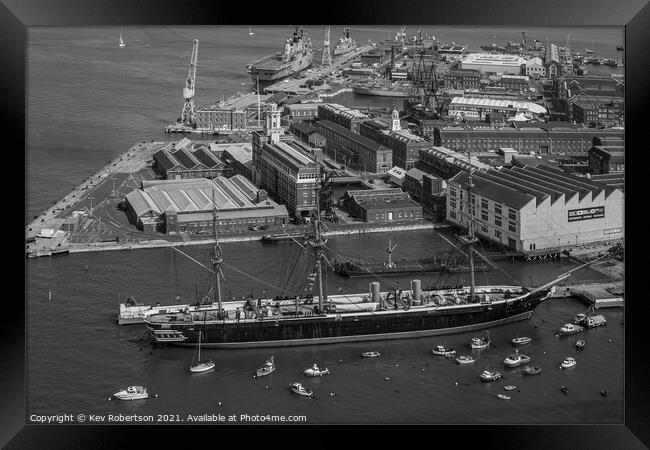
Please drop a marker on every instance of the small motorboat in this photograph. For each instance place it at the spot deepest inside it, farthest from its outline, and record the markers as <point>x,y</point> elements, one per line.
<point>516,359</point>
<point>465,359</point>
<point>132,393</point>
<point>521,340</point>
<point>490,376</point>
<point>299,389</point>
<point>315,371</point>
<point>565,390</point>
<point>441,350</point>
<point>568,363</point>
<point>579,318</point>
<point>370,354</point>
<point>503,397</point>
<point>569,328</point>
<point>509,388</point>
<point>480,343</point>
<point>594,321</point>
<point>531,370</point>
<point>267,369</point>
<point>580,344</point>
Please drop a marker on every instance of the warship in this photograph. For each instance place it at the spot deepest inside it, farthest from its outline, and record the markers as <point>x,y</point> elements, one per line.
<point>297,56</point>
<point>345,44</point>
<point>320,318</point>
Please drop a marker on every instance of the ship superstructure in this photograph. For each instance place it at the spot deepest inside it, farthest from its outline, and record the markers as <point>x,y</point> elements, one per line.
<point>345,44</point>
<point>296,56</point>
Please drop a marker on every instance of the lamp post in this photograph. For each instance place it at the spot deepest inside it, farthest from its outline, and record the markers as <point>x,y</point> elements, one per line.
<point>531,280</point>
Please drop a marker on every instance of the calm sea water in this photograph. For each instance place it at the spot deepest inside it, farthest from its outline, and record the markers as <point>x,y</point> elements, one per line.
<point>88,101</point>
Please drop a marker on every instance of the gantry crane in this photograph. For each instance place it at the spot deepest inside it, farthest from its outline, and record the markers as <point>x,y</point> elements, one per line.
<point>327,56</point>
<point>189,108</point>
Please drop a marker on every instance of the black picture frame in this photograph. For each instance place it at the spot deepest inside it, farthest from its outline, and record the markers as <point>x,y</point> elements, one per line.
<point>16,15</point>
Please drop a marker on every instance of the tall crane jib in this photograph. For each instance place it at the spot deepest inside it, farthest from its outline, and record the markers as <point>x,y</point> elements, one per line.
<point>188,114</point>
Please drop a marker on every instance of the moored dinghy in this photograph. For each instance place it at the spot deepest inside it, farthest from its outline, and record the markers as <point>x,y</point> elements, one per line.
<point>465,359</point>
<point>521,340</point>
<point>580,344</point>
<point>490,376</point>
<point>516,359</point>
<point>503,397</point>
<point>531,370</point>
<point>370,354</point>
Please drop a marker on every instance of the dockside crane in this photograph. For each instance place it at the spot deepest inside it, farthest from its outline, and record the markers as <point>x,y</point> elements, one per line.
<point>327,55</point>
<point>188,114</point>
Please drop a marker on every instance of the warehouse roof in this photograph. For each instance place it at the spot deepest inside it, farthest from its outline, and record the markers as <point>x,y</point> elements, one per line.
<point>494,59</point>
<point>362,140</point>
<point>495,103</point>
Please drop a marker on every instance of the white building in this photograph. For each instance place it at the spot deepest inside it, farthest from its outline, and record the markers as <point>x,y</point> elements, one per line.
<point>396,175</point>
<point>534,208</point>
<point>535,67</point>
<point>497,64</point>
<point>478,108</point>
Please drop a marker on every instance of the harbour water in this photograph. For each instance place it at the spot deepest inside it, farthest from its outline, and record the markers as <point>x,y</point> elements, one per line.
<point>89,100</point>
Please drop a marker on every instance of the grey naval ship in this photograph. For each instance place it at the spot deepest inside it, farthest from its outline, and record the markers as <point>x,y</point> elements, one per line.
<point>297,55</point>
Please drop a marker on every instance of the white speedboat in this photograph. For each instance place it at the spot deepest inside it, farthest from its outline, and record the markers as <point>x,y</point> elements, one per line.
<point>299,389</point>
<point>568,363</point>
<point>594,321</point>
<point>579,318</point>
<point>521,340</point>
<point>441,350</point>
<point>490,376</point>
<point>315,371</point>
<point>516,359</point>
<point>569,328</point>
<point>480,343</point>
<point>370,354</point>
<point>503,397</point>
<point>132,393</point>
<point>266,369</point>
<point>580,344</point>
<point>509,388</point>
<point>465,359</point>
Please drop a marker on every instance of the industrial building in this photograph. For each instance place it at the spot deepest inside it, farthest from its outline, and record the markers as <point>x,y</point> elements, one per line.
<point>341,115</point>
<point>186,206</point>
<point>609,112</point>
<point>483,108</point>
<point>535,67</point>
<point>607,159</point>
<point>178,160</point>
<point>552,62</point>
<point>462,79</point>
<point>543,138</point>
<point>286,173</point>
<point>382,205</point>
<point>354,150</point>
<point>513,83</point>
<point>496,64</point>
<point>404,144</point>
<point>396,175</point>
<point>446,163</point>
<point>240,158</point>
<point>301,111</point>
<point>535,208</point>
<point>214,118</point>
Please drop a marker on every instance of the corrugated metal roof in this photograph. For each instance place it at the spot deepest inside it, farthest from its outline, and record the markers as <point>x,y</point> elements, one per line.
<point>495,103</point>
<point>207,158</point>
<point>140,206</point>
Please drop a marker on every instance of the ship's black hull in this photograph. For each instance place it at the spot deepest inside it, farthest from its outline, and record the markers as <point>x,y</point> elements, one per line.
<point>270,332</point>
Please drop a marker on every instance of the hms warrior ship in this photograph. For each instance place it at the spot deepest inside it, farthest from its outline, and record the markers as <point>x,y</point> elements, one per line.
<point>297,55</point>
<point>320,318</point>
<point>345,44</point>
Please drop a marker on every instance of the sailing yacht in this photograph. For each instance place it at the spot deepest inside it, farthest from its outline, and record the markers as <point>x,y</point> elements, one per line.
<point>201,366</point>
<point>250,30</point>
<point>122,44</point>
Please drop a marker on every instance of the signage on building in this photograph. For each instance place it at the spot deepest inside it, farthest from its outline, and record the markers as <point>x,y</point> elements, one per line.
<point>613,231</point>
<point>597,212</point>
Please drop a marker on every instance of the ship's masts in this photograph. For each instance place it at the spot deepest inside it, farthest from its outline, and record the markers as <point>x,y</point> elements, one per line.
<point>470,227</point>
<point>217,259</point>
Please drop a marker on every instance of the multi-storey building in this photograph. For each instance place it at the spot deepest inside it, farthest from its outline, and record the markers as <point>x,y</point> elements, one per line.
<point>215,118</point>
<point>462,79</point>
<point>354,150</point>
<point>341,115</point>
<point>542,139</point>
<point>497,64</point>
<point>534,208</point>
<point>287,174</point>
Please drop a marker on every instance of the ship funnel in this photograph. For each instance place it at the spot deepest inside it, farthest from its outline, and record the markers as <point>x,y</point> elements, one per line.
<point>374,292</point>
<point>416,288</point>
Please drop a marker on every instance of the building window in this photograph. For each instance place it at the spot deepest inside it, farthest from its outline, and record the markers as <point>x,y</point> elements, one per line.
<point>497,208</point>
<point>452,214</point>
<point>512,227</point>
<point>484,203</point>
<point>497,233</point>
<point>484,215</point>
<point>497,221</point>
<point>512,214</point>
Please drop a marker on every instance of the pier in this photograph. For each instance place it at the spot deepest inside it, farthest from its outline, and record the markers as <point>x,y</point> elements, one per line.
<point>598,295</point>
